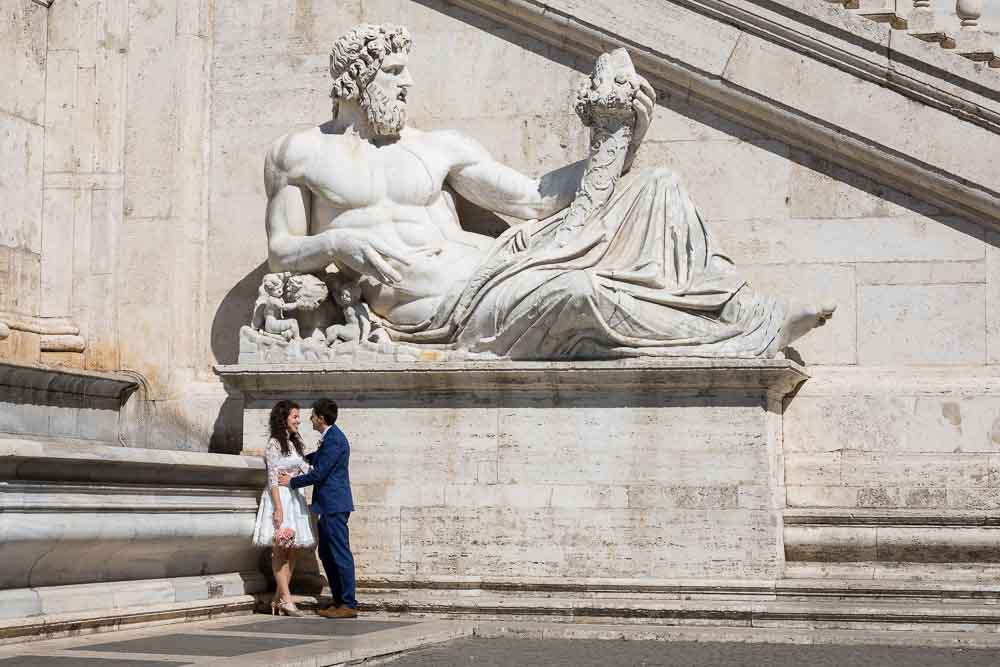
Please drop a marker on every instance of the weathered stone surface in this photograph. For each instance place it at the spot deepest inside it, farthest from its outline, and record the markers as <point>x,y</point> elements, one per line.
<point>23,50</point>
<point>523,479</point>
<point>921,324</point>
<point>724,176</point>
<point>993,298</point>
<point>21,143</point>
<point>836,341</point>
<point>568,543</point>
<point>882,240</point>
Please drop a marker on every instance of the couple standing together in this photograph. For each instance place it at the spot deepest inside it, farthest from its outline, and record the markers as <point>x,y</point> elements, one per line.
<point>283,518</point>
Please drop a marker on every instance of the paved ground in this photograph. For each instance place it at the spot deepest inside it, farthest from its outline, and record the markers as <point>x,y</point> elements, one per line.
<point>243,641</point>
<point>502,652</point>
<point>259,641</point>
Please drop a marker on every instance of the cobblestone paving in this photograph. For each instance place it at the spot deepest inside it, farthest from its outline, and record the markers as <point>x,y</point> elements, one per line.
<point>611,653</point>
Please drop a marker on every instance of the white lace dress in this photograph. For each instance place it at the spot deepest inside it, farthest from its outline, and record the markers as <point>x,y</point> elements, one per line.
<point>293,501</point>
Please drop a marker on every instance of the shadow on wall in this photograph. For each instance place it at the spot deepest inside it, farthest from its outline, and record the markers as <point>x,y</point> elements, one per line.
<point>232,313</point>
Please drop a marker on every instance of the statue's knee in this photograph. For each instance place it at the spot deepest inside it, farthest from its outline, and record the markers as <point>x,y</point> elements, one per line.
<point>663,175</point>
<point>576,287</point>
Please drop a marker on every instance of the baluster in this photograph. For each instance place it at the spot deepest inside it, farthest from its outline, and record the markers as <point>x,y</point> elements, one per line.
<point>972,42</point>
<point>922,23</point>
<point>969,11</point>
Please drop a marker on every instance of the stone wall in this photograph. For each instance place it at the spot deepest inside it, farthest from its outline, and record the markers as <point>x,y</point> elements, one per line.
<point>23,28</point>
<point>139,130</point>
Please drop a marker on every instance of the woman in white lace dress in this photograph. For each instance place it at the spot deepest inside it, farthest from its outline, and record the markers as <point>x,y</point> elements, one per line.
<point>282,508</point>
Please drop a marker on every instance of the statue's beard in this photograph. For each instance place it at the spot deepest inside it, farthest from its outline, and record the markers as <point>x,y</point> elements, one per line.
<point>386,116</point>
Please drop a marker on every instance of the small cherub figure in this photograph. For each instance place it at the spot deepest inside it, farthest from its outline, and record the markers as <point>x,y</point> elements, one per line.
<point>269,309</point>
<point>357,325</point>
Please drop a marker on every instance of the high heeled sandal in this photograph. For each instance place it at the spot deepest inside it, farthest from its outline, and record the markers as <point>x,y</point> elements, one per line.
<point>288,608</point>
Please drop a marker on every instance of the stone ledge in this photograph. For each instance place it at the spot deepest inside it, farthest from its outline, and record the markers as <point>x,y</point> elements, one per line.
<point>883,611</point>
<point>897,537</point>
<point>72,461</point>
<point>776,376</point>
<point>92,621</point>
<point>676,633</point>
<point>17,377</point>
<point>678,589</point>
<point>895,517</point>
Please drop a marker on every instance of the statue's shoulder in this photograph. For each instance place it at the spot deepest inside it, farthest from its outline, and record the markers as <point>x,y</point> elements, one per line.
<point>459,145</point>
<point>292,151</point>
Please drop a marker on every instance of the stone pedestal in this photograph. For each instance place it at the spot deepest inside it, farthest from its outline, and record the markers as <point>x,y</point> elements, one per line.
<point>584,471</point>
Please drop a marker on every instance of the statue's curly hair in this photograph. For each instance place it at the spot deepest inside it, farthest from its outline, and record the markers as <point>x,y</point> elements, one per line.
<point>357,55</point>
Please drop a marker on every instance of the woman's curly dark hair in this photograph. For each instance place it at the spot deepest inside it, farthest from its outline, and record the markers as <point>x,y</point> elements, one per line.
<point>279,427</point>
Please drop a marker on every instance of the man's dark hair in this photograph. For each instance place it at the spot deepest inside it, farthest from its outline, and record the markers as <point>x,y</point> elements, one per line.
<point>326,409</point>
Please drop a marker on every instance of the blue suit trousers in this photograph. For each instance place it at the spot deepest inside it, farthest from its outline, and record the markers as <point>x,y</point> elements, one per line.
<point>335,553</point>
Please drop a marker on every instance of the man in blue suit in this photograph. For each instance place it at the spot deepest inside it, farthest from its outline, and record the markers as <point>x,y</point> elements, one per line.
<point>332,501</point>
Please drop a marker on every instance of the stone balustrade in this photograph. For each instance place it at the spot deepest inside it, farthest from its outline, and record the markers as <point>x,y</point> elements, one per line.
<point>961,30</point>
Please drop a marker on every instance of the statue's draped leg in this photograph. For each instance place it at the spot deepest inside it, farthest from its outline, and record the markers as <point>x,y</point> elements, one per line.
<point>640,278</point>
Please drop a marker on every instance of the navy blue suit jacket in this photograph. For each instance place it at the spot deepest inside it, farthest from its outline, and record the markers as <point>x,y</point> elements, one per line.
<point>329,477</point>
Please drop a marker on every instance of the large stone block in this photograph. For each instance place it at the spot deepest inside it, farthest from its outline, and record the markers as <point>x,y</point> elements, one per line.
<point>22,50</point>
<point>570,543</point>
<point>151,112</point>
<point>26,273</point>
<point>61,100</point>
<point>993,298</point>
<point>728,181</point>
<point>922,273</point>
<point>21,144</point>
<point>836,341</point>
<point>58,251</point>
<point>916,239</point>
<point>887,422</point>
<point>820,189</point>
<point>662,443</point>
<point>694,38</point>
<point>921,324</point>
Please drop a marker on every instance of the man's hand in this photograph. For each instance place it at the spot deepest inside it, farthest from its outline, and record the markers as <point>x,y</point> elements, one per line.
<point>359,251</point>
<point>283,478</point>
<point>644,103</point>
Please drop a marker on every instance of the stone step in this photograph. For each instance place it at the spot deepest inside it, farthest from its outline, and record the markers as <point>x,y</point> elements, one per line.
<point>883,606</point>
<point>109,619</point>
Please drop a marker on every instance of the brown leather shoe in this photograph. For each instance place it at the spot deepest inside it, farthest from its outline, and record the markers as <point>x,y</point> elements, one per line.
<point>342,612</point>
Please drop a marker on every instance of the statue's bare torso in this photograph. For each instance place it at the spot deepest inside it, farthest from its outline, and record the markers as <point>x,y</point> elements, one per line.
<point>394,193</point>
<point>391,195</point>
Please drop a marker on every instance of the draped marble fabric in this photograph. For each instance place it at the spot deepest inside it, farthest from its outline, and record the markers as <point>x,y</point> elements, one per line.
<point>640,278</point>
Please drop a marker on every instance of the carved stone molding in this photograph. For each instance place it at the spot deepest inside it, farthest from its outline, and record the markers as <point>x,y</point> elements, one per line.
<point>773,376</point>
<point>953,88</point>
<point>58,334</point>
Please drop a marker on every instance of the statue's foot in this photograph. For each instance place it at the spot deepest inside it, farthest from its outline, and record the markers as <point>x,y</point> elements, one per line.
<point>801,320</point>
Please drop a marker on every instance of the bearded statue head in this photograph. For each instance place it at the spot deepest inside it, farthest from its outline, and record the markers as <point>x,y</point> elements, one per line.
<point>369,65</point>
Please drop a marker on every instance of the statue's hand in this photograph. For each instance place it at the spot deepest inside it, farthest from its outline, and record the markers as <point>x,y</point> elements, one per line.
<point>367,256</point>
<point>644,103</point>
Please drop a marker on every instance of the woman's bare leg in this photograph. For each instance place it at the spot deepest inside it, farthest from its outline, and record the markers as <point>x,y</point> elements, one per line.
<point>282,575</point>
<point>292,553</point>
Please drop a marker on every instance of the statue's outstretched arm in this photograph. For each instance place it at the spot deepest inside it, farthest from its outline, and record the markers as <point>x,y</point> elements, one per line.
<point>502,189</point>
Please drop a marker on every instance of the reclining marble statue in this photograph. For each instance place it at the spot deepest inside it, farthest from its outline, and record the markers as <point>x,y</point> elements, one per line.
<point>605,262</point>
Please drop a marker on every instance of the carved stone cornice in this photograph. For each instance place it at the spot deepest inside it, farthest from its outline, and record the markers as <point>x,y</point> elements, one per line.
<point>950,86</point>
<point>65,382</point>
<point>776,377</point>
